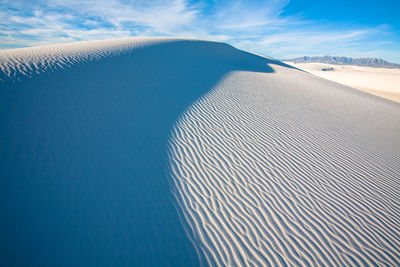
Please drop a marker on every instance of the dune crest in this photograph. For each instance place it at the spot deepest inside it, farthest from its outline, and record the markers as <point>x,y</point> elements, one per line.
<point>36,60</point>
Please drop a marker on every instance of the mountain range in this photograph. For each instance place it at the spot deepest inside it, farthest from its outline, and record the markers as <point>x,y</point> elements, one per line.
<point>339,60</point>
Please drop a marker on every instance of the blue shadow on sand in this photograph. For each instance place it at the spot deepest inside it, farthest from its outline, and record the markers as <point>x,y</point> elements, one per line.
<point>84,168</point>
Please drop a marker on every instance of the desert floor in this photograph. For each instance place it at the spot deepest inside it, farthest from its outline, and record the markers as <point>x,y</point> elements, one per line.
<point>383,82</point>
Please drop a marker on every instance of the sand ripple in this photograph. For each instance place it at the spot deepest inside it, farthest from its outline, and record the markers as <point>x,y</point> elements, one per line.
<point>288,169</point>
<point>25,62</point>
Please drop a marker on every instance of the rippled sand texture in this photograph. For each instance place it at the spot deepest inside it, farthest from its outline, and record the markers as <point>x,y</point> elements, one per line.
<point>284,168</point>
<point>17,63</point>
<point>268,165</point>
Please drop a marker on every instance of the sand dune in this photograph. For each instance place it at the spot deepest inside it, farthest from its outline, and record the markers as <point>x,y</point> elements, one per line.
<point>382,82</point>
<point>162,151</point>
<point>83,139</point>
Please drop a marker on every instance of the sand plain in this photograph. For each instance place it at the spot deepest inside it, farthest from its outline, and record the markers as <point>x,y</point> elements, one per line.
<point>382,82</point>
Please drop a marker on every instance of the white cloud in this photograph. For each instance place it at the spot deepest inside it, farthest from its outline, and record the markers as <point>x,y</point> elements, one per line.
<point>252,25</point>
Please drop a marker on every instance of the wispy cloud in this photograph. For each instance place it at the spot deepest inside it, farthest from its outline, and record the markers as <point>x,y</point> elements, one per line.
<point>258,26</point>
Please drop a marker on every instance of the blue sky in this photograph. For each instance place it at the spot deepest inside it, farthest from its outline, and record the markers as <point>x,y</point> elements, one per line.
<point>276,28</point>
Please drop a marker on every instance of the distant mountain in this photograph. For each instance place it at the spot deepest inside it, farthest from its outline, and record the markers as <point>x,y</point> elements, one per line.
<point>368,62</point>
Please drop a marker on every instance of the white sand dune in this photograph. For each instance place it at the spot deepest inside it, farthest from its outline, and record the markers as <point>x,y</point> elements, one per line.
<point>383,82</point>
<point>267,165</point>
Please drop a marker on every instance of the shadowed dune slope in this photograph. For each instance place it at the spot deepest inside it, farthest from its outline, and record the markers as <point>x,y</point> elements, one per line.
<point>83,139</point>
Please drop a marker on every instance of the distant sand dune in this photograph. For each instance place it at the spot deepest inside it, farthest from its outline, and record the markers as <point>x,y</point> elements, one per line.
<point>382,82</point>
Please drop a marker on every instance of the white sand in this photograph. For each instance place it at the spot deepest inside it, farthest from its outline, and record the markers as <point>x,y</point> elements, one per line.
<point>271,166</point>
<point>287,169</point>
<point>383,82</point>
<point>35,60</point>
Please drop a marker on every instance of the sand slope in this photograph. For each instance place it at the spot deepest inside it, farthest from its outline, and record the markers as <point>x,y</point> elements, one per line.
<point>286,169</point>
<point>174,152</point>
<point>382,82</point>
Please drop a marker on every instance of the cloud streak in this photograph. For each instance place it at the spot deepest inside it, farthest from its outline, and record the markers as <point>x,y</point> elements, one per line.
<point>258,26</point>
